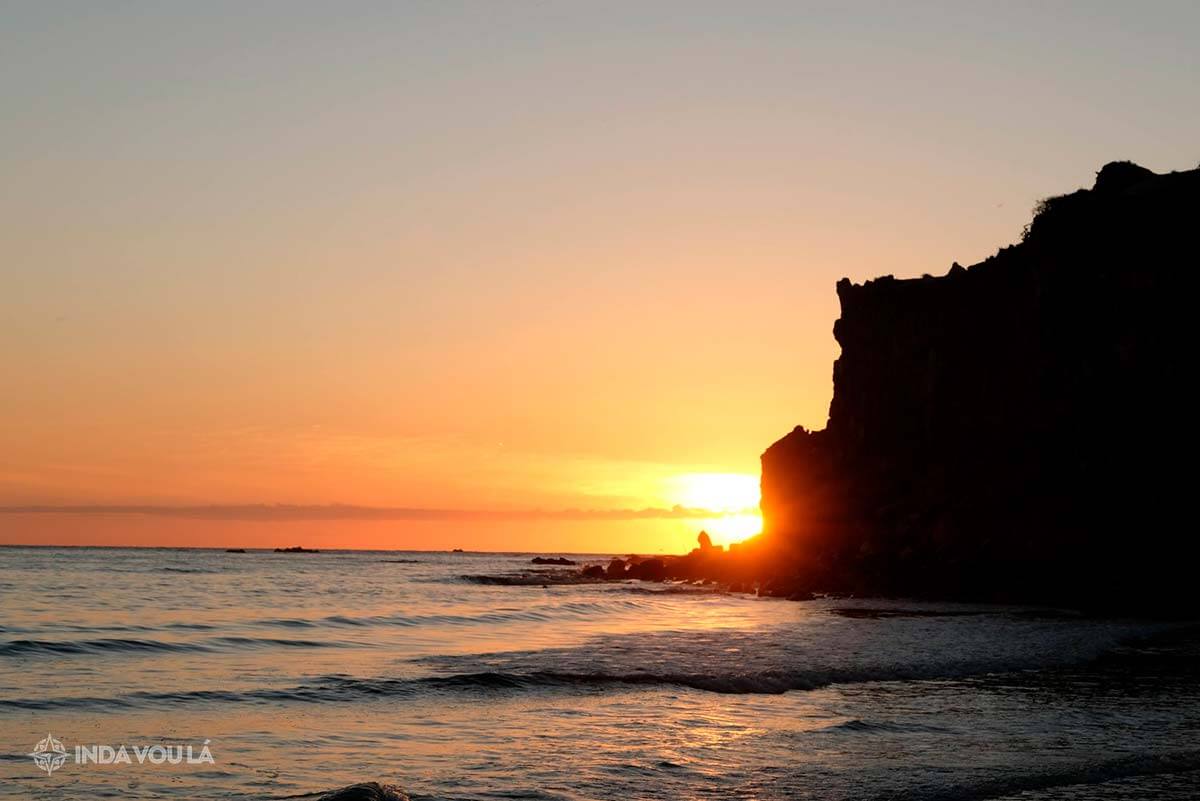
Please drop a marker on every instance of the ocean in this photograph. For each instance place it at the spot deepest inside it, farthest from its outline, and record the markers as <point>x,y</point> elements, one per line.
<point>479,676</point>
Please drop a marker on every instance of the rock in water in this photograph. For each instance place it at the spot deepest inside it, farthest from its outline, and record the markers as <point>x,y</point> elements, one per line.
<point>368,791</point>
<point>649,570</point>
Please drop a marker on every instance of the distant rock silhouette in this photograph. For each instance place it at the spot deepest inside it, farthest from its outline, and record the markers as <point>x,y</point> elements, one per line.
<point>1017,430</point>
<point>551,560</point>
<point>296,549</point>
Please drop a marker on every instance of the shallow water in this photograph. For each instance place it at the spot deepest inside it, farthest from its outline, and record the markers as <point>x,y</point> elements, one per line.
<point>305,672</point>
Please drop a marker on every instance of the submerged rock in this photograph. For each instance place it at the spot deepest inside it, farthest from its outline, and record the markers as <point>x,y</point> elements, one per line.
<point>367,791</point>
<point>616,569</point>
<point>593,572</point>
<point>551,560</point>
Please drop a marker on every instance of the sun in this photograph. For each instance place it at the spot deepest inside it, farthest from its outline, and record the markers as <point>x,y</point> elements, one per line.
<point>720,492</point>
<point>731,497</point>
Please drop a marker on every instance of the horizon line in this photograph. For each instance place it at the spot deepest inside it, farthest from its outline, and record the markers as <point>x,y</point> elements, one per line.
<point>271,549</point>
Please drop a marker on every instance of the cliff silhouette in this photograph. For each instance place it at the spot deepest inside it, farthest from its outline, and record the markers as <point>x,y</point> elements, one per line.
<point>1017,430</point>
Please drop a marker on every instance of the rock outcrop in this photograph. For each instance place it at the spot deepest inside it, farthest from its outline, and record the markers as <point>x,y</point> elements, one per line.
<point>1016,430</point>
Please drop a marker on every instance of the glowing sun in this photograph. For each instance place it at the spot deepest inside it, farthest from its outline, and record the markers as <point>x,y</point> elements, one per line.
<point>731,497</point>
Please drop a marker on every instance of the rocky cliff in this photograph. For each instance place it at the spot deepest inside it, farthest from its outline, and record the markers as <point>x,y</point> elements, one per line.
<point>1016,430</point>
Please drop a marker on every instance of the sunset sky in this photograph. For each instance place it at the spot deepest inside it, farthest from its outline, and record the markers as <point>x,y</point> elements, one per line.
<point>502,276</point>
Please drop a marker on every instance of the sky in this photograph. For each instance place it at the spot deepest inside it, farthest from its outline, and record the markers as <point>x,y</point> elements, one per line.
<point>499,276</point>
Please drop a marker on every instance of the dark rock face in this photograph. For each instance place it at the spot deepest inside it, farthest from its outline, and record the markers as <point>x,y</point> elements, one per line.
<point>1016,430</point>
<point>551,560</point>
<point>616,569</point>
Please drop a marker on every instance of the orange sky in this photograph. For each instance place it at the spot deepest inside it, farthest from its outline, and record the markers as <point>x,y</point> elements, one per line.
<point>464,258</point>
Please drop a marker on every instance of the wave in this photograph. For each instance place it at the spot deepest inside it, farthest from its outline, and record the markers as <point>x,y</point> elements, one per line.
<point>531,579</point>
<point>66,647</point>
<point>667,588</point>
<point>1090,774</point>
<point>856,726</point>
<point>23,647</point>
<point>582,670</point>
<point>570,578</point>
<point>533,614</point>
<point>869,613</point>
<point>769,682</point>
<point>550,612</point>
<point>557,577</point>
<point>132,645</point>
<point>338,688</point>
<point>79,628</point>
<point>345,688</point>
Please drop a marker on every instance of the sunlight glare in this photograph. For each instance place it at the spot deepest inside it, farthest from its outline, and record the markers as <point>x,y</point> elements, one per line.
<point>732,496</point>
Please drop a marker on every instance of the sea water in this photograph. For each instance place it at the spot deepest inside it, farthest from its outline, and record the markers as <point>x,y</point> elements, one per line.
<point>481,676</point>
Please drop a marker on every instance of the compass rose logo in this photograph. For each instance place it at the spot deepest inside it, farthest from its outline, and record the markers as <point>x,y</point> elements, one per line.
<point>49,754</point>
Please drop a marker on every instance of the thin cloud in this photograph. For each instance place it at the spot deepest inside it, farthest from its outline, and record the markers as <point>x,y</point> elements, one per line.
<point>286,512</point>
